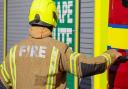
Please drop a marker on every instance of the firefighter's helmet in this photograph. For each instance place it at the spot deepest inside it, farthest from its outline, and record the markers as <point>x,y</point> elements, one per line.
<point>43,13</point>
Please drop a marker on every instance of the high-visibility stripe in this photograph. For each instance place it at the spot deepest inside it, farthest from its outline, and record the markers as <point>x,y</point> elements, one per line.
<point>4,74</point>
<point>52,68</point>
<point>5,69</point>
<point>73,67</point>
<point>13,66</point>
<point>75,82</point>
<point>10,59</point>
<point>108,58</point>
<point>75,72</point>
<point>72,61</point>
<point>14,62</point>
<point>75,63</point>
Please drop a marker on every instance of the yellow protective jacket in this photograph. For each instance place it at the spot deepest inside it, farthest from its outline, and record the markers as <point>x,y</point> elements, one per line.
<point>40,62</point>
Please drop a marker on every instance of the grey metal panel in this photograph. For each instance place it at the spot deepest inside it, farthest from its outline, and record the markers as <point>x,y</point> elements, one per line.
<point>87,20</point>
<point>83,25</point>
<point>88,4</point>
<point>89,30</point>
<point>1,29</point>
<point>86,35</point>
<point>86,23</point>
<point>86,45</point>
<point>87,9</point>
<point>86,1</point>
<point>17,21</point>
<point>83,40</point>
<point>85,15</point>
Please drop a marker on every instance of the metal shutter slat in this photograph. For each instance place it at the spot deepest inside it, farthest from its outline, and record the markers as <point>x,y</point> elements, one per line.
<point>86,35</point>
<point>17,20</point>
<point>1,29</point>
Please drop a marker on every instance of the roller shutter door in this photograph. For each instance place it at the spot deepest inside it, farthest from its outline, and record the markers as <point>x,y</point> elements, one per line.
<point>86,35</point>
<point>17,21</point>
<point>1,29</point>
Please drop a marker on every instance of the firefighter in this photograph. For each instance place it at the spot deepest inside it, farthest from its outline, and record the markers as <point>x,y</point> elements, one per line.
<point>40,62</point>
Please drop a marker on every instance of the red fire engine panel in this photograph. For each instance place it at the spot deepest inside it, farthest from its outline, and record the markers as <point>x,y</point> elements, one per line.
<point>118,12</point>
<point>118,73</point>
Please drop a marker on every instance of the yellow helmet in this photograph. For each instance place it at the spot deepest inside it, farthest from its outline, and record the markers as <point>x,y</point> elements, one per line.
<point>43,13</point>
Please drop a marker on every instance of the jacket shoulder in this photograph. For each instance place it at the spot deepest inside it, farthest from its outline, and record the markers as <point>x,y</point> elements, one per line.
<point>60,45</point>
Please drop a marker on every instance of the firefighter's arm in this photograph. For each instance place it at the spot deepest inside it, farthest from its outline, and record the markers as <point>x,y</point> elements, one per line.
<point>81,66</point>
<point>5,73</point>
<point>91,66</point>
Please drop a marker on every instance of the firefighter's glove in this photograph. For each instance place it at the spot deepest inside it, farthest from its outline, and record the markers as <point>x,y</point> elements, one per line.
<point>111,56</point>
<point>123,59</point>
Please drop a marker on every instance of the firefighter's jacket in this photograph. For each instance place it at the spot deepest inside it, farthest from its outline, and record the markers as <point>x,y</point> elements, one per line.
<point>40,62</point>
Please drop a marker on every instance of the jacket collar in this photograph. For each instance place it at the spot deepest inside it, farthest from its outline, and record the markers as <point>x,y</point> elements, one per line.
<point>39,32</point>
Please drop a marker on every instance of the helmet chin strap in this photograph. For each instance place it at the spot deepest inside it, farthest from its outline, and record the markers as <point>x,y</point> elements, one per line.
<point>37,18</point>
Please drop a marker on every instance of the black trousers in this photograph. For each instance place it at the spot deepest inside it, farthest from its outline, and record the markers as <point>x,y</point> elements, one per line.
<point>2,86</point>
